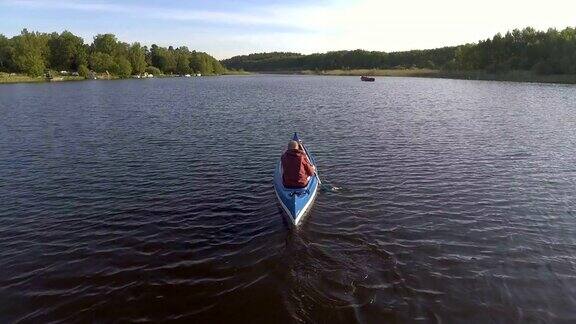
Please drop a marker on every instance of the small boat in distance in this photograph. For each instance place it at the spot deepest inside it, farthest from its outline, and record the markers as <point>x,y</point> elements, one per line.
<point>368,79</point>
<point>296,201</point>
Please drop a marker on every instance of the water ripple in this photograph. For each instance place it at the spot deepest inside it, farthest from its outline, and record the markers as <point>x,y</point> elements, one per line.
<point>152,201</point>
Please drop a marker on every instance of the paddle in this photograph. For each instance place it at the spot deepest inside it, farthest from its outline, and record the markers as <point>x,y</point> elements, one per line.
<point>326,187</point>
<point>315,166</point>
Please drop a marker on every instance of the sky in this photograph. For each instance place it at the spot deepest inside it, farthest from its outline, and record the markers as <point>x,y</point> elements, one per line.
<point>232,27</point>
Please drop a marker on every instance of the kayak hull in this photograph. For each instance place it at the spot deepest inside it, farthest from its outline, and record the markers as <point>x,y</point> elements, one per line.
<point>296,203</point>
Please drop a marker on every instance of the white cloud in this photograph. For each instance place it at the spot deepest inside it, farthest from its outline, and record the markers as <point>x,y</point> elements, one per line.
<point>401,25</point>
<point>72,5</point>
<point>367,24</point>
<point>261,17</point>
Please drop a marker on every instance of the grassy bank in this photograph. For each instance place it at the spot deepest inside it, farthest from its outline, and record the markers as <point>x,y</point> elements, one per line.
<point>236,72</point>
<point>22,78</point>
<point>377,72</point>
<point>17,78</point>
<point>516,76</point>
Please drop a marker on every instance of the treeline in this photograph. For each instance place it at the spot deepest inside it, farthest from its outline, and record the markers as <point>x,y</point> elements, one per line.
<point>357,59</point>
<point>33,53</point>
<point>549,52</point>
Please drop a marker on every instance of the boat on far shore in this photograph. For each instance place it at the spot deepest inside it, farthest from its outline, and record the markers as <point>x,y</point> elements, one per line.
<point>368,79</point>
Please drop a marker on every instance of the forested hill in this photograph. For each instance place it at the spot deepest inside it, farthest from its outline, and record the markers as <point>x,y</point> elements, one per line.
<point>33,53</point>
<point>264,61</point>
<point>544,52</point>
<point>357,59</point>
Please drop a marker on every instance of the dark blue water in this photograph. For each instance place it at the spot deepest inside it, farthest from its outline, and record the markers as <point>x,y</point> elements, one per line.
<point>152,201</point>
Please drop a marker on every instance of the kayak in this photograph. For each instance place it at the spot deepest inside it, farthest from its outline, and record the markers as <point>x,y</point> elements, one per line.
<point>296,202</point>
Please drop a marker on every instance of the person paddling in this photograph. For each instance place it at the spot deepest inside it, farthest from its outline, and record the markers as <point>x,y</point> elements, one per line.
<point>296,169</point>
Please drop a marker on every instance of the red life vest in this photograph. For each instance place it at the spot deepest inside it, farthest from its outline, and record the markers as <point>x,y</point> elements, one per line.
<point>296,169</point>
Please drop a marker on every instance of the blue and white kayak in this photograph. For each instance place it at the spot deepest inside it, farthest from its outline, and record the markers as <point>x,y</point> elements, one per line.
<point>296,202</point>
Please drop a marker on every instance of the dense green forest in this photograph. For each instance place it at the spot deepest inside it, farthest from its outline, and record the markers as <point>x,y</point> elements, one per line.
<point>33,53</point>
<point>549,52</point>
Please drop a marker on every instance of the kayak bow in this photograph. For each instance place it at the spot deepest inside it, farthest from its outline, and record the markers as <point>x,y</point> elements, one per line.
<point>296,202</point>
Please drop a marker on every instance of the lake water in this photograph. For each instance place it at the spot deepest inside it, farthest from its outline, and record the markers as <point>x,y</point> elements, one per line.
<point>152,201</point>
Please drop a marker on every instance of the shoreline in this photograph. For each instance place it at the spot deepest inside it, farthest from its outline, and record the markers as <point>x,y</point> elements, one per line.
<point>512,76</point>
<point>12,78</point>
<point>6,78</point>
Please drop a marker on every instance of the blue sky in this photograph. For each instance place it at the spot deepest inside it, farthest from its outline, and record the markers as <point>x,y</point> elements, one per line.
<point>232,27</point>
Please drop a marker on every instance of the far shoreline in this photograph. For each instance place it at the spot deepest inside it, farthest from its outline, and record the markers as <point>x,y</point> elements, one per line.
<point>512,76</point>
<point>16,78</point>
